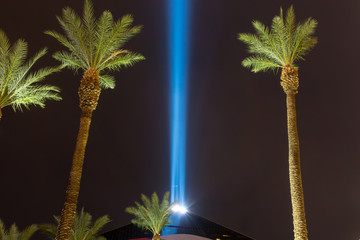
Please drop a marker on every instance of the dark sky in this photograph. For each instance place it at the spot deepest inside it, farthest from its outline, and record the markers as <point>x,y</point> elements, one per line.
<point>237,165</point>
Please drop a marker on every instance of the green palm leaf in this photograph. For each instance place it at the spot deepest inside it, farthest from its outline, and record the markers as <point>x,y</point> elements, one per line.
<point>259,63</point>
<point>18,86</point>
<point>122,60</point>
<point>14,234</point>
<point>107,81</point>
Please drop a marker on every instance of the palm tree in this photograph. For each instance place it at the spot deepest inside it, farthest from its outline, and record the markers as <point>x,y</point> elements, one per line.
<point>18,86</point>
<point>153,216</point>
<point>282,46</point>
<point>94,46</point>
<point>83,228</point>
<point>14,234</point>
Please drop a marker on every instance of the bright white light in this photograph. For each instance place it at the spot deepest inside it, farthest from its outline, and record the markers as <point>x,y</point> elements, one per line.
<point>179,209</point>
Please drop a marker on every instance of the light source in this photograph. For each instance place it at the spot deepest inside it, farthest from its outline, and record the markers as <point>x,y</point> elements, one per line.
<point>179,209</point>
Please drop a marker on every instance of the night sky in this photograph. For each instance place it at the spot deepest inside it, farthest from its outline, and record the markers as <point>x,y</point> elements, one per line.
<point>237,153</point>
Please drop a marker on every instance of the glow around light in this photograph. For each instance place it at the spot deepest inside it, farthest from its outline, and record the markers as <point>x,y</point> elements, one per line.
<point>178,73</point>
<point>179,209</point>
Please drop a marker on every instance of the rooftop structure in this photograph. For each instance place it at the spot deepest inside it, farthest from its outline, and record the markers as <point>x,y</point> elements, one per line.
<point>184,227</point>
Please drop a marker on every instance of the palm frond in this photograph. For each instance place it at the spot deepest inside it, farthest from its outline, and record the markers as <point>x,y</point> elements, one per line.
<point>119,34</point>
<point>290,26</point>
<point>24,86</point>
<point>36,97</point>
<point>104,26</point>
<point>2,230</point>
<point>13,61</point>
<point>268,40</point>
<point>24,70</point>
<point>258,64</point>
<point>4,44</point>
<point>107,81</point>
<point>88,16</point>
<point>28,232</point>
<point>75,32</point>
<point>49,230</point>
<point>257,46</point>
<point>18,86</point>
<point>278,30</point>
<point>72,47</point>
<point>99,224</point>
<point>69,60</point>
<point>82,223</point>
<point>122,60</point>
<point>304,40</point>
<point>90,25</point>
<point>14,234</point>
<point>124,31</point>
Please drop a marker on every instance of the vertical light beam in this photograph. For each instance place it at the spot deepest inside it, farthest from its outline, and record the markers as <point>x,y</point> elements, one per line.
<point>178,20</point>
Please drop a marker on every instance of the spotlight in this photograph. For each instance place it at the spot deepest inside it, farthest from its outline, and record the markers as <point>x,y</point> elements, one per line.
<point>179,209</point>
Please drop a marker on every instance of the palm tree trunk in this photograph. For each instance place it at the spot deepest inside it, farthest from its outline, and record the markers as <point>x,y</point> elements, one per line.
<point>0,113</point>
<point>290,84</point>
<point>72,192</point>
<point>156,236</point>
<point>296,189</point>
<point>89,92</point>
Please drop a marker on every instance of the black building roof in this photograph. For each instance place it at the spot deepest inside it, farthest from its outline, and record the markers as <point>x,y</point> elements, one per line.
<point>188,223</point>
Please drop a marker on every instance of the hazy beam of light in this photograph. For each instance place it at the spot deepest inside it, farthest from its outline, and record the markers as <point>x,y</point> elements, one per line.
<point>178,19</point>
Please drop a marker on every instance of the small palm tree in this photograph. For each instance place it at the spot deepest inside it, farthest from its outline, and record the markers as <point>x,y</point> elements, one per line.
<point>83,228</point>
<point>153,216</point>
<point>281,47</point>
<point>18,86</point>
<point>94,47</point>
<point>14,234</point>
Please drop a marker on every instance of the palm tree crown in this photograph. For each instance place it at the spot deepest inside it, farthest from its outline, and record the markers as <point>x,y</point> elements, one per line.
<point>83,228</point>
<point>18,87</point>
<point>14,234</point>
<point>153,216</point>
<point>282,45</point>
<point>95,43</point>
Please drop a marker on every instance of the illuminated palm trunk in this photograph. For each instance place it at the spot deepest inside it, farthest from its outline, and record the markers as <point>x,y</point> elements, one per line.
<point>297,196</point>
<point>290,83</point>
<point>156,236</point>
<point>89,92</point>
<point>0,113</point>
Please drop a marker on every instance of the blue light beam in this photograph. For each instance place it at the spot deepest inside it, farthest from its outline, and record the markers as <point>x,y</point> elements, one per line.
<point>178,73</point>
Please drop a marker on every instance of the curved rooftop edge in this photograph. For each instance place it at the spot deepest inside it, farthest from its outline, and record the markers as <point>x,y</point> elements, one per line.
<point>188,226</point>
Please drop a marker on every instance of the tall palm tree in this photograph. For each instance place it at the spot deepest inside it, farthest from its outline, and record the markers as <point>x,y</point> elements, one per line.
<point>281,47</point>
<point>18,86</point>
<point>83,228</point>
<point>153,216</point>
<point>95,47</point>
<point>14,234</point>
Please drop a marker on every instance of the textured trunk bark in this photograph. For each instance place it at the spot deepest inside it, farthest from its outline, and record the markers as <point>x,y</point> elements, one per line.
<point>156,236</point>
<point>72,192</point>
<point>290,84</point>
<point>89,92</point>
<point>297,196</point>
